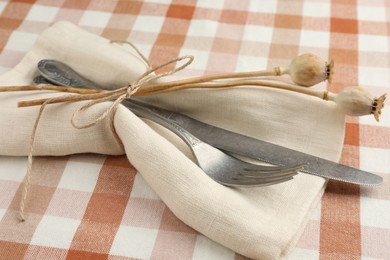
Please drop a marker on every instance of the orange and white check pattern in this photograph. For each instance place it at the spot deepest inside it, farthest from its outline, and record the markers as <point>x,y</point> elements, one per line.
<point>98,207</point>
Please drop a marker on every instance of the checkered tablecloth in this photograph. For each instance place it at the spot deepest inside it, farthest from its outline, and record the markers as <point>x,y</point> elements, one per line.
<point>70,217</point>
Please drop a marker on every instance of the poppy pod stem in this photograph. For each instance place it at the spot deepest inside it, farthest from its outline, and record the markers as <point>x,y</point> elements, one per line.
<point>354,101</point>
<point>305,70</point>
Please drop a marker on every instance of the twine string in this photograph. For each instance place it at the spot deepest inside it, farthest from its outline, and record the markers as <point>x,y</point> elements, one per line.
<point>117,95</point>
<point>26,185</point>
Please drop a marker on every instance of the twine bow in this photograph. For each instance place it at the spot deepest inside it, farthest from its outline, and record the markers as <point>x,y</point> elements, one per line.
<point>118,95</point>
<point>126,92</point>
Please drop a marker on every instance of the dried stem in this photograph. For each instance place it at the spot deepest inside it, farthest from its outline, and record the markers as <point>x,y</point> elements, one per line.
<point>74,98</point>
<point>157,89</point>
<point>208,78</point>
<point>49,87</point>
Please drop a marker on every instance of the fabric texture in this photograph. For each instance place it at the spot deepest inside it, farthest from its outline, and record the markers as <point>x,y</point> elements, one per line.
<point>262,223</point>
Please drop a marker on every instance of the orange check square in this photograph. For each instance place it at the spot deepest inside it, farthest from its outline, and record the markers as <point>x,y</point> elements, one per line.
<point>180,11</point>
<point>288,21</point>
<point>344,25</point>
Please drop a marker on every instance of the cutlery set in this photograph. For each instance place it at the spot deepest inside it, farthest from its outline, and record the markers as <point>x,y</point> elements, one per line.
<point>212,146</point>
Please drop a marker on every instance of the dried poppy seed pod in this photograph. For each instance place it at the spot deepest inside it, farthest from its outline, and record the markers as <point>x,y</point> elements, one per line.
<point>308,70</point>
<point>357,101</point>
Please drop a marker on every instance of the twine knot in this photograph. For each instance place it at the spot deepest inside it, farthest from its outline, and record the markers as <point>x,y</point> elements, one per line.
<point>130,90</point>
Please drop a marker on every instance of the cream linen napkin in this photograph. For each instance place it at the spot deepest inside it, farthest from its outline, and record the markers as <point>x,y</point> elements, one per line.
<point>261,223</point>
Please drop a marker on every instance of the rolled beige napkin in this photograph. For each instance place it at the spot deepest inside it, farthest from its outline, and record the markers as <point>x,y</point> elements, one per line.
<point>261,223</point>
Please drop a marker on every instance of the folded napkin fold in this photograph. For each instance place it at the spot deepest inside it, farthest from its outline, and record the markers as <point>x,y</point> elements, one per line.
<point>261,223</point>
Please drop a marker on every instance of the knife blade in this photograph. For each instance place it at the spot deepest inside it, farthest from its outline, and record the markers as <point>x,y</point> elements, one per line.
<point>223,139</point>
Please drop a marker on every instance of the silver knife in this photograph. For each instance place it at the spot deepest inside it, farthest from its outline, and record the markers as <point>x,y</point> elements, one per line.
<point>226,140</point>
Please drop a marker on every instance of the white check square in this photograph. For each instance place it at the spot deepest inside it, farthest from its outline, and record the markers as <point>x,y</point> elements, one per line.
<point>374,159</point>
<point>145,49</point>
<point>142,190</point>
<point>316,213</point>
<point>3,69</point>
<point>316,9</point>
<point>55,232</point>
<point>2,213</point>
<point>265,6</point>
<point>202,28</point>
<point>210,4</point>
<point>317,39</point>
<point>12,168</point>
<point>167,2</point>
<point>258,33</point>
<point>200,58</point>
<point>250,63</point>
<point>378,77</point>
<point>2,6</point>
<point>42,13</point>
<point>80,176</point>
<point>372,42</point>
<point>303,253</point>
<point>146,23</point>
<point>370,120</point>
<point>95,19</point>
<point>21,41</point>
<point>134,242</point>
<point>381,218</point>
<point>208,249</point>
<point>371,13</point>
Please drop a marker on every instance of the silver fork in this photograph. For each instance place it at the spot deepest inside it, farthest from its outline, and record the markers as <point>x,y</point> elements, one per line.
<point>221,167</point>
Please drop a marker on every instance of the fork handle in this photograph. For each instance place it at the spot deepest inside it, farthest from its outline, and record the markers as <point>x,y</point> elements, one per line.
<point>162,117</point>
